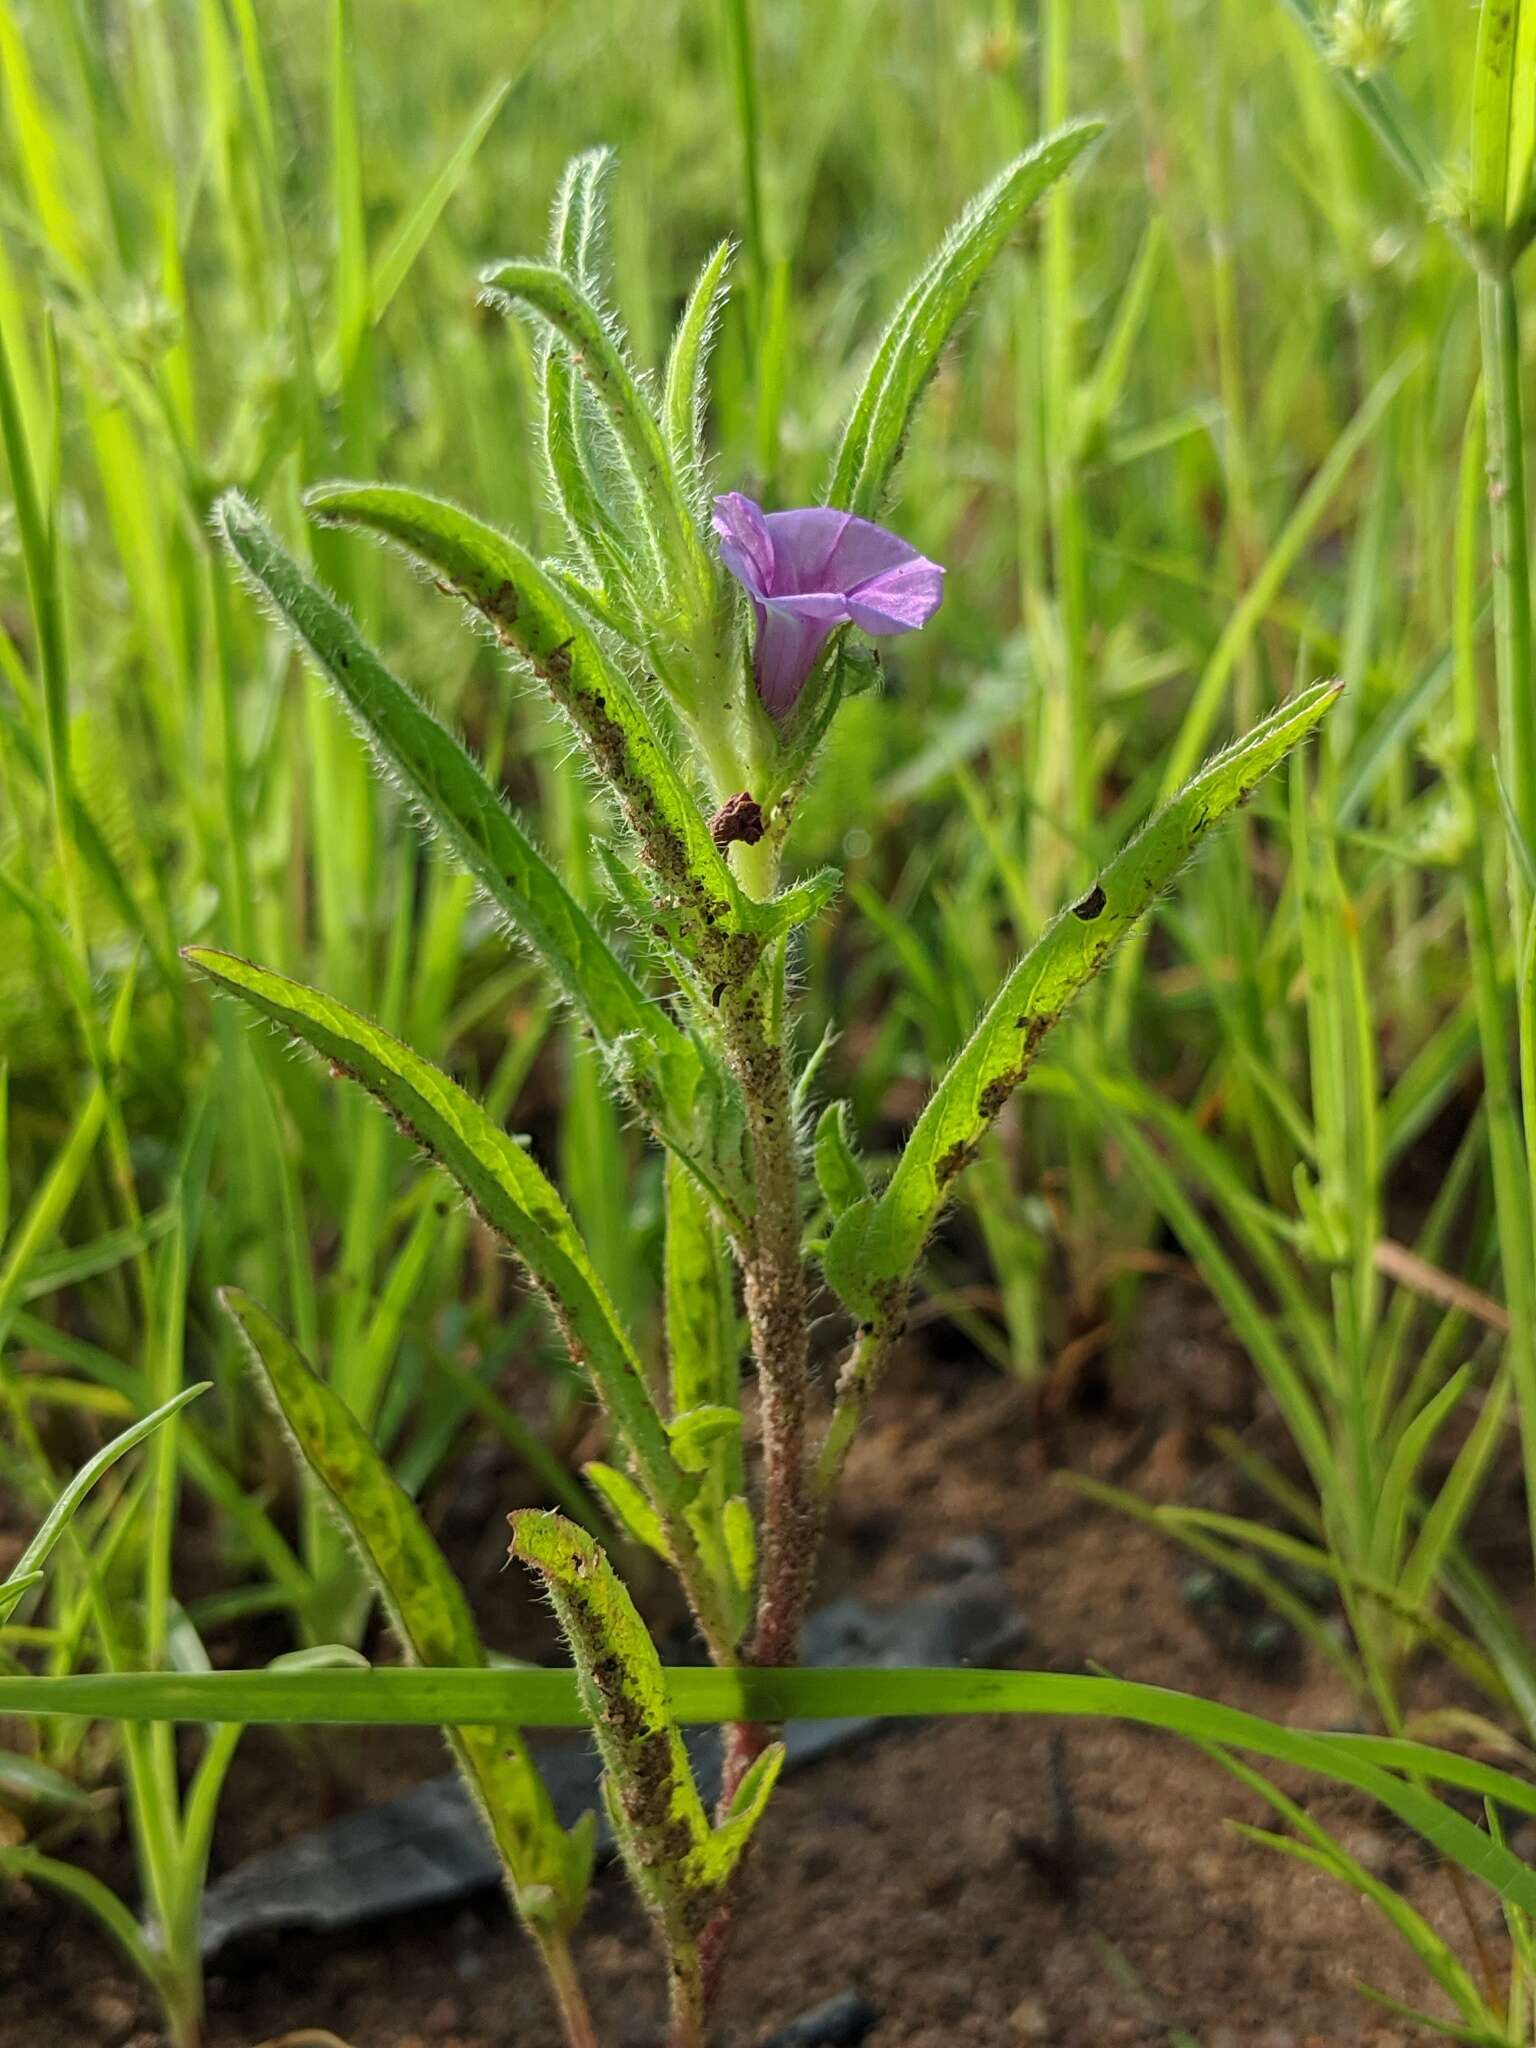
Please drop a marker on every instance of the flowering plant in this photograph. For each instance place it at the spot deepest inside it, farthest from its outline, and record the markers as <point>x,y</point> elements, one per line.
<point>699,656</point>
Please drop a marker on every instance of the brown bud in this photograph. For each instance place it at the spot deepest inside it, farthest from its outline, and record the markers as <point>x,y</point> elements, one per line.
<point>739,817</point>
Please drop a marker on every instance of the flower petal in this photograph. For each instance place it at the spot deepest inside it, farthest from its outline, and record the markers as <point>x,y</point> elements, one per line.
<point>865,551</point>
<point>791,633</point>
<point>803,543</point>
<point>810,570</point>
<point>745,547</point>
<point>900,600</point>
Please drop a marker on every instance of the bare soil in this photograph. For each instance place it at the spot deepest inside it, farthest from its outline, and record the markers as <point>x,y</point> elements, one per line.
<point>987,1882</point>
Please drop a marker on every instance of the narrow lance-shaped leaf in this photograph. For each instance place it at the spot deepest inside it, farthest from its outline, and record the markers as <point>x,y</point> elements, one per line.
<point>447,786</point>
<point>548,1869</point>
<point>508,1189</point>
<point>502,581</point>
<point>597,495</point>
<point>662,1070</point>
<point>877,1243</point>
<point>683,388</point>
<point>1522,133</point>
<point>839,1170</point>
<point>678,1862</point>
<point>704,1359</point>
<point>910,347</point>
<point>534,1698</point>
<point>557,299</point>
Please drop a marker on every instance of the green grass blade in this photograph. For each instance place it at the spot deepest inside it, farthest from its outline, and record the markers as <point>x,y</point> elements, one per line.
<point>1205,704</point>
<point>1319,1848</point>
<point>549,1699</point>
<point>410,238</point>
<point>86,1890</point>
<point>1501,125</point>
<point>63,1509</point>
<point>1458,1494</point>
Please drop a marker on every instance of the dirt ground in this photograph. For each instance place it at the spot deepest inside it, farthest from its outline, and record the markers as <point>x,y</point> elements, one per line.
<point>987,1882</point>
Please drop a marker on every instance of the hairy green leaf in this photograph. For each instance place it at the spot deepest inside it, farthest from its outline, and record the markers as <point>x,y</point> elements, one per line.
<point>909,349</point>
<point>428,1609</point>
<point>839,1170</point>
<point>669,1077</point>
<point>530,614</point>
<point>684,391</point>
<point>500,1178</point>
<point>678,1863</point>
<point>704,1359</point>
<point>627,1504</point>
<point>703,1335</point>
<point>594,488</point>
<point>448,787</point>
<point>877,1243</point>
<point>604,365</point>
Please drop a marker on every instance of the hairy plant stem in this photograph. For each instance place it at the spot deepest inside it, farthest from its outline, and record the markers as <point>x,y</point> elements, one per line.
<point>687,2027</point>
<point>775,1296</point>
<point>773,1287</point>
<point>575,2015</point>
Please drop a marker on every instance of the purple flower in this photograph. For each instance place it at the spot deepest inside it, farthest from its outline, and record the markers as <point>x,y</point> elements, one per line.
<point>814,569</point>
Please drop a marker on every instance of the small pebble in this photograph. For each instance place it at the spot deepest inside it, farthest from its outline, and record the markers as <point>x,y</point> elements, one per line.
<point>959,1556</point>
<point>1029,2021</point>
<point>1373,1850</point>
<point>841,2023</point>
<point>112,2008</point>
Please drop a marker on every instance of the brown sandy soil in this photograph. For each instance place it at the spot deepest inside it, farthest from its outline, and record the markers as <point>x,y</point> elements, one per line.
<point>929,1868</point>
